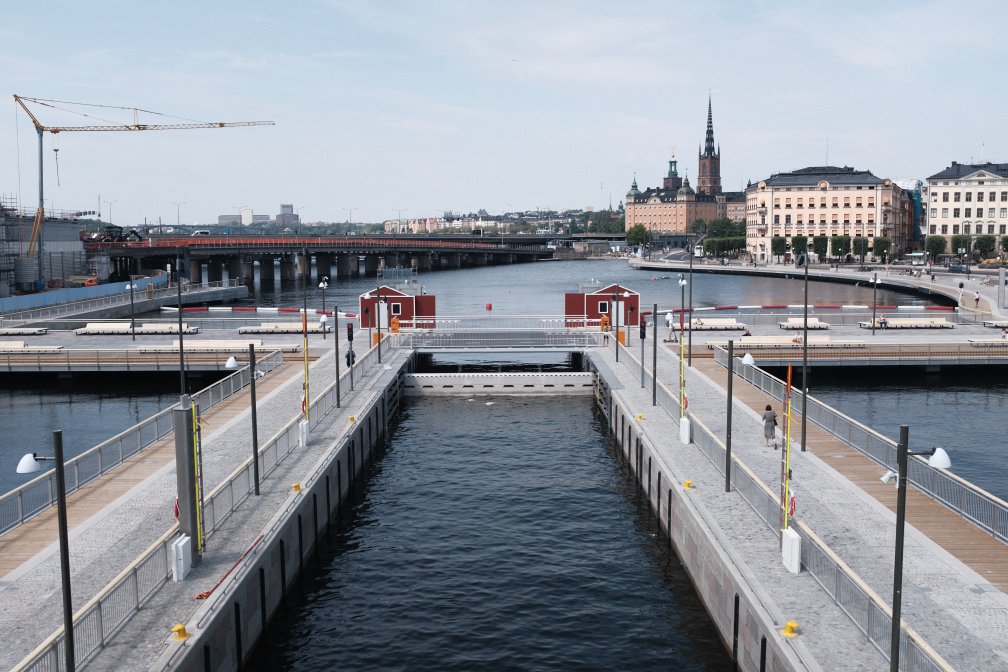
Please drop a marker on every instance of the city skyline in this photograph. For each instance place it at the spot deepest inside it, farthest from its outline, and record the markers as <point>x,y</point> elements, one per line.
<point>419,108</point>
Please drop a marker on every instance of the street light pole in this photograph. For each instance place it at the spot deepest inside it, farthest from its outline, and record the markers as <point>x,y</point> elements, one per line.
<point>804,357</point>
<point>689,349</point>
<point>132,314</point>
<point>654,356</point>
<point>109,204</point>
<point>350,218</point>
<point>178,212</point>
<point>181,350</point>
<point>336,333</point>
<point>323,285</point>
<point>874,302</point>
<point>615,298</point>
<point>682,344</point>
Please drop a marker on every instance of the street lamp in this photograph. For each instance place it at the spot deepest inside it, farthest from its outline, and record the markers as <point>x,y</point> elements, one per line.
<point>939,459</point>
<point>233,363</point>
<point>178,212</point>
<point>615,307</point>
<point>399,214</point>
<point>804,261</point>
<point>30,464</point>
<point>349,218</point>
<point>109,204</point>
<point>132,315</point>
<point>323,286</point>
<point>178,286</point>
<point>682,345</point>
<point>689,349</point>
<point>874,302</point>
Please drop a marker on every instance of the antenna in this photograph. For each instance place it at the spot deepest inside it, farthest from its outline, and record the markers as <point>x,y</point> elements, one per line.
<point>827,150</point>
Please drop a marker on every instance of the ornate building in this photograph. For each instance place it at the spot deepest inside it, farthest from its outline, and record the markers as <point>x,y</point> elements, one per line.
<point>967,199</point>
<point>674,207</point>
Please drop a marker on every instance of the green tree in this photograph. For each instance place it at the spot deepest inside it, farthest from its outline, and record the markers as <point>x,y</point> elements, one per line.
<point>985,246</point>
<point>637,235</point>
<point>778,246</point>
<point>1004,243</point>
<point>841,247</point>
<point>725,228</point>
<point>961,242</point>
<point>820,245</point>
<point>860,247</point>
<point>699,227</point>
<point>881,247</point>
<point>799,245</point>
<point>934,245</point>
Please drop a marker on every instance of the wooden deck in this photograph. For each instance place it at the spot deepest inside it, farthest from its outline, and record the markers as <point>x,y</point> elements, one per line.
<point>24,542</point>
<point>987,556</point>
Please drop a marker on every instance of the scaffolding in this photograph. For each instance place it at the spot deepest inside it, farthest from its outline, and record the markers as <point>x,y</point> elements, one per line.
<point>63,260</point>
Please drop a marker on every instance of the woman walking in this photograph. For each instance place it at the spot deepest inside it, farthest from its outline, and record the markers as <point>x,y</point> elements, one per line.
<point>769,427</point>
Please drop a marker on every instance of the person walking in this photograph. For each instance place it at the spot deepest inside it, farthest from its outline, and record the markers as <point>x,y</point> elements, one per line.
<point>976,299</point>
<point>670,321</point>
<point>770,427</point>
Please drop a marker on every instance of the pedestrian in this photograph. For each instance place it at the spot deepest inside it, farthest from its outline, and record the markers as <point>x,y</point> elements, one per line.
<point>670,322</point>
<point>604,327</point>
<point>883,322</point>
<point>976,299</point>
<point>770,427</point>
<point>1004,334</point>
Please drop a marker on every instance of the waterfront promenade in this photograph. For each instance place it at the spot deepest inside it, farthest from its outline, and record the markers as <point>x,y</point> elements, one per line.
<point>956,603</point>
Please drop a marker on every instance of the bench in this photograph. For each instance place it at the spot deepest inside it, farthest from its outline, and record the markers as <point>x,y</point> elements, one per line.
<point>283,328</point>
<point>995,324</point>
<point>23,331</point>
<point>772,341</point>
<point>909,323</point>
<point>799,323</point>
<point>123,328</point>
<point>22,347</point>
<point>235,346</point>
<point>713,324</point>
<point>988,342</point>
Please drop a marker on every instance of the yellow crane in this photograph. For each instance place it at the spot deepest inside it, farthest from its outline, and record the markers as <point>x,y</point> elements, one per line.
<point>41,129</point>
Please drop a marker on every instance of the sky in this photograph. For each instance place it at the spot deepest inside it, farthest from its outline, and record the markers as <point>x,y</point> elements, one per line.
<point>388,109</point>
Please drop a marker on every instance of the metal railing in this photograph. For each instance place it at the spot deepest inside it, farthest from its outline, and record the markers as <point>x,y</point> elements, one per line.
<point>104,615</point>
<point>111,360</point>
<point>866,609</point>
<point>120,298</point>
<point>965,499</point>
<point>33,497</point>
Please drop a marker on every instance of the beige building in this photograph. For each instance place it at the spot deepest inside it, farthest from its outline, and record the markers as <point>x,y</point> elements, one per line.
<point>969,199</point>
<point>826,201</point>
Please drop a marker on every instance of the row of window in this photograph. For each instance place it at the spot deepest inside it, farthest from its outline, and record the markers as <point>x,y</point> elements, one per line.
<point>822,219</point>
<point>968,212</point>
<point>800,202</point>
<point>968,196</point>
<point>1002,228</point>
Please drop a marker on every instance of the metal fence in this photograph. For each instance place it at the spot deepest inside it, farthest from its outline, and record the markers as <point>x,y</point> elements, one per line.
<point>967,500</point>
<point>33,497</point>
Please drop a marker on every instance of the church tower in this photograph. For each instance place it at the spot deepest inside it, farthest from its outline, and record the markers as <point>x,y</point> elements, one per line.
<point>672,181</point>
<point>709,178</point>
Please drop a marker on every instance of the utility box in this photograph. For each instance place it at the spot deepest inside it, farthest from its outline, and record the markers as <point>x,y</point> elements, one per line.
<point>685,431</point>
<point>791,550</point>
<point>303,433</point>
<point>181,558</point>
<point>621,336</point>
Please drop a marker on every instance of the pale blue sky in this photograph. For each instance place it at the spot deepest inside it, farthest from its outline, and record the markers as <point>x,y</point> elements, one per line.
<point>428,106</point>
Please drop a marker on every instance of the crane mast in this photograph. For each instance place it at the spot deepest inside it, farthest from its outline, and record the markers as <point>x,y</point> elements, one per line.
<point>35,243</point>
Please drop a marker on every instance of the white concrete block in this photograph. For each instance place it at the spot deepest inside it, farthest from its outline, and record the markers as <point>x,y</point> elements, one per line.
<point>791,551</point>
<point>685,433</point>
<point>181,554</point>
<point>303,433</point>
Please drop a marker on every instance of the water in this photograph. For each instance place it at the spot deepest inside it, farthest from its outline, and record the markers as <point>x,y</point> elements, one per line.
<point>524,547</point>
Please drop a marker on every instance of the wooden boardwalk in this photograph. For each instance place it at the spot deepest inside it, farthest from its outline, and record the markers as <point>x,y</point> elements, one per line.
<point>25,542</point>
<point>975,548</point>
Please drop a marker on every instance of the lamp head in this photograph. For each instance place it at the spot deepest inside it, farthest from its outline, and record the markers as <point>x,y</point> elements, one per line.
<point>28,464</point>
<point>232,363</point>
<point>888,476</point>
<point>323,319</point>
<point>748,359</point>
<point>939,458</point>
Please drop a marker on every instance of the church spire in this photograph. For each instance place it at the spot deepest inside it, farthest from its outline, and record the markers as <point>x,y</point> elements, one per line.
<point>709,142</point>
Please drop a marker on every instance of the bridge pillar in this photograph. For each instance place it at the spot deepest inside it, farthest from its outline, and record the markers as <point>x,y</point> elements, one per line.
<point>452,260</point>
<point>286,268</point>
<point>214,269</point>
<point>343,269</point>
<point>247,270</point>
<point>323,265</point>
<point>234,267</point>
<point>371,264</point>
<point>267,269</point>
<point>302,266</point>
<point>422,262</point>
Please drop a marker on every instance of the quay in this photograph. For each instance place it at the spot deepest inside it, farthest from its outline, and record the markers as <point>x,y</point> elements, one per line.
<point>954,579</point>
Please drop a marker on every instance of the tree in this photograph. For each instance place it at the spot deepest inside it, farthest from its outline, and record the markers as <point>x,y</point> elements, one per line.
<point>725,228</point>
<point>841,247</point>
<point>1004,243</point>
<point>985,246</point>
<point>934,245</point>
<point>860,247</point>
<point>961,242</point>
<point>799,245</point>
<point>637,235</point>
<point>820,245</point>
<point>778,246</point>
<point>881,248</point>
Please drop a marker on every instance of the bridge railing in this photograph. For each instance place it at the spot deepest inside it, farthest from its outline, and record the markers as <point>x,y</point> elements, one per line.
<point>964,498</point>
<point>108,360</point>
<point>35,496</point>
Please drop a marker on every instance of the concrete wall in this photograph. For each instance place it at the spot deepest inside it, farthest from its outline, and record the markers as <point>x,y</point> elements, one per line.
<point>729,599</point>
<point>229,624</point>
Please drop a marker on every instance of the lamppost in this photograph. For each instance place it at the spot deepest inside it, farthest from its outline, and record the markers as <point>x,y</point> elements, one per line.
<point>233,363</point>
<point>615,302</point>
<point>399,219</point>
<point>689,349</point>
<point>874,302</point>
<point>804,261</point>
<point>109,204</point>
<point>378,315</point>
<point>939,459</point>
<point>682,345</point>
<point>335,338</point>
<point>132,315</point>
<point>181,350</point>
<point>178,212</point>
<point>349,218</point>
<point>304,329</point>
<point>30,464</point>
<point>323,286</point>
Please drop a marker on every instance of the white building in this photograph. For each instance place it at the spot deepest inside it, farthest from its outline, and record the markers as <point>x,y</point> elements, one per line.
<point>969,199</point>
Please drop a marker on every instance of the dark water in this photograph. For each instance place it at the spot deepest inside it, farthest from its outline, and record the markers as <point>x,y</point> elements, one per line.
<point>512,540</point>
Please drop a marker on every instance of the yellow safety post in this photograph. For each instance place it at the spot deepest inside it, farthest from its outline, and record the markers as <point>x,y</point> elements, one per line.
<point>180,634</point>
<point>790,629</point>
<point>297,487</point>
<point>687,485</point>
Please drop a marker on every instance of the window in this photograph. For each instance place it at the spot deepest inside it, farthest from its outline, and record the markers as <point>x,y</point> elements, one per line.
<point>934,196</point>
<point>1004,196</point>
<point>956,196</point>
<point>955,228</point>
<point>990,228</point>
<point>1004,213</point>
<point>787,218</point>
<point>955,213</point>
<point>396,308</point>
<point>776,219</point>
<point>822,202</point>
<point>934,212</point>
<point>871,203</point>
<point>979,197</point>
<point>857,201</point>
<point>944,197</point>
<point>990,213</point>
<point>846,201</point>
<point>836,202</point>
<point>944,228</point>
<point>1003,227</point>
<point>993,196</point>
<point>968,211</point>
<point>969,196</point>
<point>966,227</point>
<point>603,306</point>
<point>944,212</point>
<point>934,229</point>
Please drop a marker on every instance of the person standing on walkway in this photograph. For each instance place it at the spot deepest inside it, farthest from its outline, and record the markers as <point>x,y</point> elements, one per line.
<point>770,427</point>
<point>670,321</point>
<point>976,299</point>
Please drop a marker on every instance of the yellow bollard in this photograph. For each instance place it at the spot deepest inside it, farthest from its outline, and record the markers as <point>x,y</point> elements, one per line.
<point>790,629</point>
<point>297,487</point>
<point>180,633</point>
<point>353,419</point>
<point>640,416</point>
<point>687,485</point>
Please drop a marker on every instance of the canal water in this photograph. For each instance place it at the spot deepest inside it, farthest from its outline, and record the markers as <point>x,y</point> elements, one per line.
<point>515,540</point>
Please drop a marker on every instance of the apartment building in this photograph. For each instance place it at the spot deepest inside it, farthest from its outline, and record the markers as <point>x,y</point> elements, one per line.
<point>967,199</point>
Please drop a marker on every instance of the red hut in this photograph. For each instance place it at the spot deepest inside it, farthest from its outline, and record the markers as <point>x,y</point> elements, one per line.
<point>408,307</point>
<point>586,306</point>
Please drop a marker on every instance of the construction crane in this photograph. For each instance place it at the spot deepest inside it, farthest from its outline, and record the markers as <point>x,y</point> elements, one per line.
<point>36,234</point>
